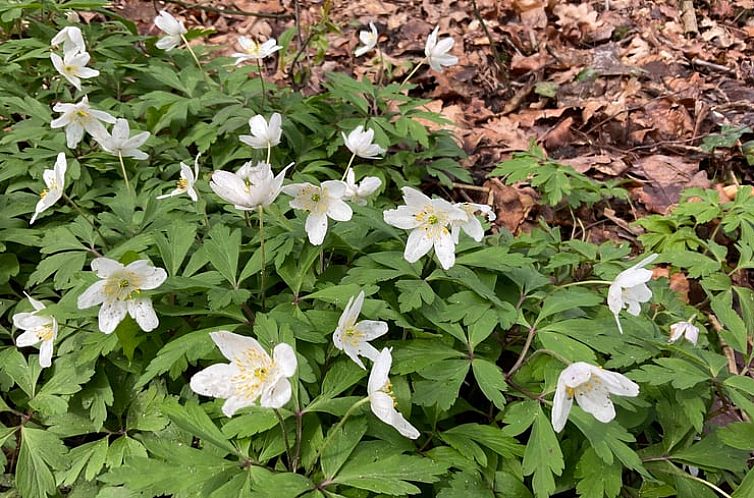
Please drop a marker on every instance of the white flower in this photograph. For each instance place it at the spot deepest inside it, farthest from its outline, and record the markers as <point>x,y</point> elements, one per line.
<point>353,338</point>
<point>37,329</point>
<point>55,184</point>
<point>382,399</point>
<point>172,27</point>
<point>629,290</point>
<point>119,142</point>
<point>437,51</point>
<point>428,219</point>
<point>591,386</point>
<point>186,182</point>
<point>472,226</point>
<point>80,117</point>
<point>72,66</point>
<point>684,329</point>
<point>358,193</point>
<point>369,39</point>
<point>250,375</point>
<point>71,38</point>
<point>253,51</point>
<point>359,142</point>
<point>321,202</point>
<point>263,135</point>
<point>119,293</point>
<point>250,187</point>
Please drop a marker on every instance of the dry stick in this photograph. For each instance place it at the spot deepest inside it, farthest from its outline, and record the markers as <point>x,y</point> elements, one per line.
<point>495,53</point>
<point>522,355</point>
<point>230,12</point>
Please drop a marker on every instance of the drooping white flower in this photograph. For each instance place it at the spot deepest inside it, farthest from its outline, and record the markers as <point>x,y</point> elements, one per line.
<point>591,386</point>
<point>250,187</point>
<point>369,39</point>
<point>684,329</point>
<point>358,193</point>
<point>80,117</point>
<point>71,38</point>
<point>253,51</point>
<point>437,51</point>
<point>381,397</point>
<point>429,221</point>
<point>629,289</point>
<point>321,202</point>
<point>472,226</point>
<point>38,329</point>
<point>186,183</point>
<point>172,27</point>
<point>72,66</point>
<point>263,135</point>
<point>250,375</point>
<point>119,292</point>
<point>119,142</point>
<point>353,337</point>
<point>55,184</point>
<point>359,142</point>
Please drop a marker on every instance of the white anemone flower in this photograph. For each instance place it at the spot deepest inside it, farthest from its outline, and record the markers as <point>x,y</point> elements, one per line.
<point>120,143</point>
<point>186,183</point>
<point>72,66</point>
<point>684,329</point>
<point>38,329</point>
<point>437,51</point>
<point>253,51</point>
<point>55,184</point>
<point>119,292</point>
<point>472,226</point>
<point>263,135</point>
<point>592,387</point>
<point>249,188</point>
<point>629,289</point>
<point>359,142</point>
<point>369,39</point>
<point>71,38</point>
<point>251,374</point>
<point>353,337</point>
<point>428,219</point>
<point>172,27</point>
<point>358,193</point>
<point>382,399</point>
<point>321,202</point>
<point>80,117</point>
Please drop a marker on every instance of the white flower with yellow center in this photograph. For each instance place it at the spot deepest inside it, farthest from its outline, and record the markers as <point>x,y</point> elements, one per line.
<point>591,386</point>
<point>629,289</point>
<point>253,51</point>
<point>263,135</point>
<point>382,399</point>
<point>80,117</point>
<point>119,292</point>
<point>321,202</point>
<point>369,39</point>
<point>72,66</point>
<point>353,337</point>
<point>359,142</point>
<point>251,374</point>
<point>173,29</point>
<point>684,329</point>
<point>38,329</point>
<point>429,221</point>
<point>358,193</point>
<point>249,188</point>
<point>121,143</point>
<point>71,38</point>
<point>437,51</point>
<point>186,182</point>
<point>472,226</point>
<point>55,184</point>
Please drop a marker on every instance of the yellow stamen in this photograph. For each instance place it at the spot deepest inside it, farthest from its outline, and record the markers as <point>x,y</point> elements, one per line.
<point>182,184</point>
<point>46,333</point>
<point>43,194</point>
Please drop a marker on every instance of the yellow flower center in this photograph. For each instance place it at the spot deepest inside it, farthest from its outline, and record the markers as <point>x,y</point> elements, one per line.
<point>123,283</point>
<point>182,184</point>
<point>316,197</point>
<point>352,336</point>
<point>46,333</point>
<point>433,219</point>
<point>570,392</point>
<point>253,49</point>
<point>122,286</point>
<point>253,370</point>
<point>82,113</point>
<point>388,389</point>
<point>43,193</point>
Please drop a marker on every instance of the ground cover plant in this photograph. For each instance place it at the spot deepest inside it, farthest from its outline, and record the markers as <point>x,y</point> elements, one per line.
<point>214,286</point>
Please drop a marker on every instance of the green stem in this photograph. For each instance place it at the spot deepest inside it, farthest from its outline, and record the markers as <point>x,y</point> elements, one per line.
<point>264,260</point>
<point>261,79</point>
<point>123,170</point>
<point>196,59</point>
<point>285,437</point>
<point>345,173</point>
<point>413,71</point>
<point>269,152</point>
<point>338,426</point>
<point>584,282</point>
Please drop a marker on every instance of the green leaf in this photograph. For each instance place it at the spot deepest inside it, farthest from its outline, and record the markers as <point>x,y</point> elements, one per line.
<point>41,452</point>
<point>738,435</point>
<point>222,249</point>
<point>543,458</point>
<point>597,479</point>
<point>193,419</point>
<point>482,328</point>
<point>177,353</point>
<point>490,380</point>
<point>413,294</point>
<point>492,437</point>
<point>174,245</point>
<point>678,372</point>
<point>735,332</point>
<point>568,299</point>
<point>91,455</point>
<point>341,445</point>
<point>607,440</point>
<point>710,453</point>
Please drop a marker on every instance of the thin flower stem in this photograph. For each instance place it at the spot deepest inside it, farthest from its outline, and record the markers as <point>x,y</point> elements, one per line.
<point>269,152</point>
<point>338,426</point>
<point>708,484</point>
<point>584,282</point>
<point>86,217</point>
<point>381,73</point>
<point>285,436</point>
<point>123,170</point>
<point>350,162</point>
<point>247,219</point>
<point>299,436</point>
<point>196,59</point>
<point>261,80</point>
<point>264,260</point>
<point>413,71</point>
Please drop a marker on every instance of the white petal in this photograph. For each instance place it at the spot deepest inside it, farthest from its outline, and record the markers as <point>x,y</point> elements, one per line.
<point>418,244</point>
<point>372,329</point>
<point>229,187</point>
<point>615,298</point>
<point>234,346</point>
<point>576,374</point>
<point>234,403</point>
<point>339,210</point>
<point>382,406</point>
<point>413,197</point>
<point>368,351</point>
<point>352,353</point>
<point>403,217</point>
<point>445,249</point>
<point>316,228</point>
<point>110,315</point>
<point>45,354</point>
<point>92,296</point>
<point>378,377</point>
<point>597,402</point>
<point>617,383</point>
<point>151,277</point>
<point>29,321</point>
<point>277,395</point>
<point>104,267</point>
<point>561,407</point>
<point>28,338</point>
<point>403,426</point>
<point>142,311</point>
<point>37,305</point>
<point>214,381</point>
<point>632,277</point>
<point>335,188</point>
<point>284,358</point>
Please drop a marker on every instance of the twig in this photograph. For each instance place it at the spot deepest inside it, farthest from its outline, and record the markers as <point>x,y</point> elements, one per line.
<point>712,65</point>
<point>230,12</point>
<point>499,59</point>
<point>522,355</point>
